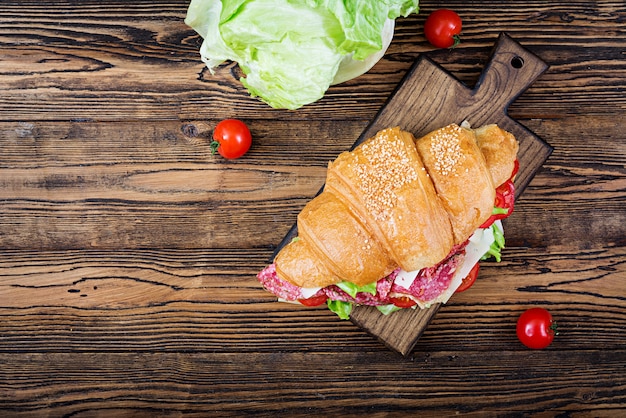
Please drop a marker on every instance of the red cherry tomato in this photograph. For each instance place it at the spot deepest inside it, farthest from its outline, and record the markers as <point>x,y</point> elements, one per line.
<point>535,328</point>
<point>231,138</point>
<point>469,280</point>
<point>442,28</point>
<point>403,302</point>
<point>314,300</point>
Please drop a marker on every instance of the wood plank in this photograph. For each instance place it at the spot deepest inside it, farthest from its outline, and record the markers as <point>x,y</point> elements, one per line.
<point>208,300</point>
<point>112,62</point>
<point>86,191</point>
<point>210,384</point>
<point>85,186</point>
<point>93,184</point>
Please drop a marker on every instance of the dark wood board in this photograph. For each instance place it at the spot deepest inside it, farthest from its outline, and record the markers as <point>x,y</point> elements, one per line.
<point>428,98</point>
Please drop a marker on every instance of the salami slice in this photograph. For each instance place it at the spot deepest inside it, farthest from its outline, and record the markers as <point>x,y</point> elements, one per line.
<point>281,288</point>
<point>432,281</point>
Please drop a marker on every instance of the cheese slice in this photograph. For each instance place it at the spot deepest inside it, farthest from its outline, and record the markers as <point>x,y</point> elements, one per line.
<point>307,292</point>
<point>478,245</point>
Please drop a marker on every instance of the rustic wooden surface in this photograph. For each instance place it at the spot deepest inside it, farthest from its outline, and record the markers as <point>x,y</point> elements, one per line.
<point>128,252</point>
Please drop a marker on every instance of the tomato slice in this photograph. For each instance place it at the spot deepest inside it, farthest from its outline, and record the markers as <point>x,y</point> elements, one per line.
<point>314,300</point>
<point>515,169</point>
<point>505,199</point>
<point>505,196</point>
<point>469,280</point>
<point>403,302</point>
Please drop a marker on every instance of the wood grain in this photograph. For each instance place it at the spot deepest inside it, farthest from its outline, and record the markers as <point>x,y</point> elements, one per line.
<point>128,253</point>
<point>208,300</point>
<point>102,64</point>
<point>121,380</point>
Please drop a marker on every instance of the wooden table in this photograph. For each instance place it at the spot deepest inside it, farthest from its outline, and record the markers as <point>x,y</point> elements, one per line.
<point>129,253</point>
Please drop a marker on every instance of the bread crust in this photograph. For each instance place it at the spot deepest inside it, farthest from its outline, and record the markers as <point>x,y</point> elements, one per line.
<point>461,177</point>
<point>386,184</point>
<point>397,202</point>
<point>499,148</point>
<point>340,241</point>
<point>297,263</point>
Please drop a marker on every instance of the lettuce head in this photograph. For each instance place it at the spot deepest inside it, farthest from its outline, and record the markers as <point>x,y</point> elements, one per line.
<point>292,51</point>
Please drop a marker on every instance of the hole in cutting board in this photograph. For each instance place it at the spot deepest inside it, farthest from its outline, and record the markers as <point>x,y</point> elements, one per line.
<point>517,62</point>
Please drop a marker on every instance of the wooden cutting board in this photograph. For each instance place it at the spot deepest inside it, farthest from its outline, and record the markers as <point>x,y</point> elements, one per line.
<point>429,98</point>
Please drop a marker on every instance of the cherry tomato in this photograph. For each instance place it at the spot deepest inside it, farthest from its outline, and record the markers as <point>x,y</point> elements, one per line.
<point>442,28</point>
<point>469,280</point>
<point>403,302</point>
<point>535,328</point>
<point>231,138</point>
<point>314,300</point>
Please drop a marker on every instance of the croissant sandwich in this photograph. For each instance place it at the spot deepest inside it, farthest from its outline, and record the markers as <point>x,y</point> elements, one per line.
<point>400,223</point>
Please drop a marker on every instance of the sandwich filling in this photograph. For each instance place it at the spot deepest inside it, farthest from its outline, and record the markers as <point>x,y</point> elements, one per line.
<point>434,284</point>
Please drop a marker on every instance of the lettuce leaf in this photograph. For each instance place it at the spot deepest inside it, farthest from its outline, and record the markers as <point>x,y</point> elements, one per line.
<point>291,51</point>
<point>387,309</point>
<point>498,244</point>
<point>352,289</point>
<point>341,308</point>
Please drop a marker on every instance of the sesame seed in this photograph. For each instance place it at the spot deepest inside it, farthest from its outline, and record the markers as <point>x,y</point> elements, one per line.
<point>383,170</point>
<point>445,146</point>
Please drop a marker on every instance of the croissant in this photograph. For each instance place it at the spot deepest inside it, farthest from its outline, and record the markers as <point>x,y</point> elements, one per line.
<point>393,205</point>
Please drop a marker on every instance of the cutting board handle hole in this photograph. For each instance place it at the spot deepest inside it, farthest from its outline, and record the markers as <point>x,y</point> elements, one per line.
<point>517,62</point>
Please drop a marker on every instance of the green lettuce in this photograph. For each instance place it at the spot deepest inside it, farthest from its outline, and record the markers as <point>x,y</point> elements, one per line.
<point>341,308</point>
<point>387,309</point>
<point>352,289</point>
<point>291,51</point>
<point>498,244</point>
